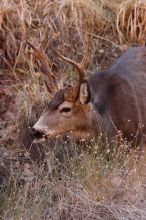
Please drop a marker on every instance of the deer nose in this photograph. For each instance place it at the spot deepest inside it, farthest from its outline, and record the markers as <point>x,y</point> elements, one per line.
<point>36,133</point>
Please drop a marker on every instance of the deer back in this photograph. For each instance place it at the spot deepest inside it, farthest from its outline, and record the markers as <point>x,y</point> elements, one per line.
<point>119,94</point>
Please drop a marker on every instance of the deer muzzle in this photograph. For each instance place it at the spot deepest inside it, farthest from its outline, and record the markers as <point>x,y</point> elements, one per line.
<point>38,135</point>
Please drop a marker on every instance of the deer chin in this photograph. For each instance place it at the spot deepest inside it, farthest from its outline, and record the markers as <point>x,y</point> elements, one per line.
<point>81,135</point>
<point>77,135</point>
<point>45,137</point>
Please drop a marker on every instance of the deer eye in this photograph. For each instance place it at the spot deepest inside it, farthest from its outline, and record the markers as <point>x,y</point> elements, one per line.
<point>66,109</point>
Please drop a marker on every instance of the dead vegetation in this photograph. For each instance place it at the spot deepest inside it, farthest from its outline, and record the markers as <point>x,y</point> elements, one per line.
<point>96,185</point>
<point>131,19</point>
<point>68,184</point>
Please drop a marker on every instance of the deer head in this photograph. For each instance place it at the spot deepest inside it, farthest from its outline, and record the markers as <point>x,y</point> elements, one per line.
<point>68,113</point>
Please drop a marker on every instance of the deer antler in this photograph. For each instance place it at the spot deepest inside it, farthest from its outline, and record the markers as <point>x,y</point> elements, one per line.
<point>78,66</point>
<point>50,83</point>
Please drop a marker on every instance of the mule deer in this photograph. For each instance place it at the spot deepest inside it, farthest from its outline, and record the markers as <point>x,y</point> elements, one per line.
<point>110,101</point>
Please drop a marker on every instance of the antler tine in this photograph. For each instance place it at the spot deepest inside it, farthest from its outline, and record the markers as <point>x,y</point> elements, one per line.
<point>41,58</point>
<point>75,64</point>
<point>45,68</point>
<point>78,66</point>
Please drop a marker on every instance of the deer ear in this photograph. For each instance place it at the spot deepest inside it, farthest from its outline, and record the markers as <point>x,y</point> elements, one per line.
<point>85,94</point>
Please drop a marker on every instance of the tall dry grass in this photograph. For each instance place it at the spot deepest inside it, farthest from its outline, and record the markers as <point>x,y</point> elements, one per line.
<point>131,18</point>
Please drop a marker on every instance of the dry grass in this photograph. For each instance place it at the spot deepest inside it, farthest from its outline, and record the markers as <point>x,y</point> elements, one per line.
<point>85,186</point>
<point>69,183</point>
<point>131,21</point>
